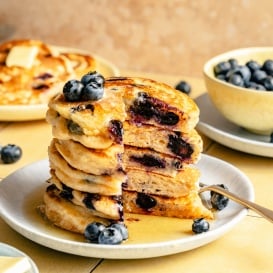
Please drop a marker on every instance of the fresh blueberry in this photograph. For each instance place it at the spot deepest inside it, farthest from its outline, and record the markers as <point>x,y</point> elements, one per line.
<point>93,77</point>
<point>253,65</point>
<point>255,86</point>
<point>110,236</point>
<point>258,76</point>
<point>268,83</point>
<point>219,201</point>
<point>233,63</point>
<point>72,90</point>
<point>268,67</point>
<point>222,68</point>
<point>93,230</point>
<point>184,87</point>
<point>122,229</point>
<point>10,153</point>
<point>92,91</point>
<point>200,225</point>
<point>236,79</point>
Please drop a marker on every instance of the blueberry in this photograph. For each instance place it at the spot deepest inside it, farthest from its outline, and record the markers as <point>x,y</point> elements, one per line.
<point>200,225</point>
<point>72,90</point>
<point>122,229</point>
<point>93,230</point>
<point>255,86</point>
<point>233,63</point>
<point>242,71</point>
<point>74,128</point>
<point>145,201</point>
<point>236,79</point>
<point>268,67</point>
<point>10,153</point>
<point>222,68</point>
<point>219,201</point>
<point>253,65</point>
<point>184,87</point>
<point>258,76</point>
<point>268,83</point>
<point>110,236</point>
<point>93,77</point>
<point>92,91</point>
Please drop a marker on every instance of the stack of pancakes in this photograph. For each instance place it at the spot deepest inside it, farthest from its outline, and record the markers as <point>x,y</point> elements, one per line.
<point>85,158</point>
<point>134,150</point>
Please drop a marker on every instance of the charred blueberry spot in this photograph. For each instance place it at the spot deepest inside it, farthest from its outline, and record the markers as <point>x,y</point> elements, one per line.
<point>115,129</point>
<point>74,128</point>
<point>149,161</point>
<point>145,201</point>
<point>179,147</point>
<point>66,192</point>
<point>178,165</point>
<point>44,76</point>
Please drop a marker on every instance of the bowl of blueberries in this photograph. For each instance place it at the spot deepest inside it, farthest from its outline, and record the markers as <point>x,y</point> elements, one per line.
<point>240,85</point>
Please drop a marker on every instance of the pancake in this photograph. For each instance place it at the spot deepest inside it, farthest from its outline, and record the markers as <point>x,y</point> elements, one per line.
<point>94,161</point>
<point>155,103</point>
<point>186,207</point>
<point>152,183</point>
<point>32,72</point>
<point>185,146</point>
<point>64,214</point>
<point>151,161</point>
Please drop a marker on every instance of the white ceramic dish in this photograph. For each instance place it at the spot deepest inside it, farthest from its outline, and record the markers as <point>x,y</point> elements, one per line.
<point>10,251</point>
<point>21,193</point>
<point>37,112</point>
<point>215,126</point>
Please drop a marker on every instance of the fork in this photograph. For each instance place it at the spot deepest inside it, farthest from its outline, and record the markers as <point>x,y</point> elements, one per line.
<point>264,212</point>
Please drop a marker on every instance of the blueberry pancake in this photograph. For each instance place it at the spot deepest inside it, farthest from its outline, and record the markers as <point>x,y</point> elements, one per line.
<point>187,207</point>
<point>184,146</point>
<point>94,161</point>
<point>109,207</point>
<point>95,124</point>
<point>64,214</point>
<point>31,72</point>
<point>182,184</point>
<point>82,181</point>
<point>151,161</point>
<point>154,103</point>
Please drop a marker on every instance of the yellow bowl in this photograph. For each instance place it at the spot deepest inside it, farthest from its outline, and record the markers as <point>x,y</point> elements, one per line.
<point>247,108</point>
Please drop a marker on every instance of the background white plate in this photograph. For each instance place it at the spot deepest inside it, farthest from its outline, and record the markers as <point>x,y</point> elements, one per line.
<point>10,251</point>
<point>21,193</point>
<point>37,112</point>
<point>215,126</point>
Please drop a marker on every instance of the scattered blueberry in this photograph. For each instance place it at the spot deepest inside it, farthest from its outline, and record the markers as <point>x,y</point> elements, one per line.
<point>122,228</point>
<point>92,231</point>
<point>200,225</point>
<point>184,87</point>
<point>90,87</point>
<point>110,236</point>
<point>10,153</point>
<point>219,201</point>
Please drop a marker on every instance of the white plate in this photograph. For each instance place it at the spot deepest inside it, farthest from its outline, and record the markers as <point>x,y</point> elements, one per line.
<point>38,111</point>
<point>150,236</point>
<point>215,126</point>
<point>10,251</point>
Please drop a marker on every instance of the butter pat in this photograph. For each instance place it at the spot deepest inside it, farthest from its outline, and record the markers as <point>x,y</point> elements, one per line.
<point>14,264</point>
<point>23,56</point>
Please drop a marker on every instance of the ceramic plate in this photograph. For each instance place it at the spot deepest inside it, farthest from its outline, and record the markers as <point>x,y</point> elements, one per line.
<point>150,236</point>
<point>10,251</point>
<point>216,127</point>
<point>37,112</point>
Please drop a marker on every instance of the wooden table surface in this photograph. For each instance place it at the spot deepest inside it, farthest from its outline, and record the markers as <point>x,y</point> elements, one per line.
<point>246,248</point>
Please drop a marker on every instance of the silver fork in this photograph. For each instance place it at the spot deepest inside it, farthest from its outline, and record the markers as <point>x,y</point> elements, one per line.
<point>264,212</point>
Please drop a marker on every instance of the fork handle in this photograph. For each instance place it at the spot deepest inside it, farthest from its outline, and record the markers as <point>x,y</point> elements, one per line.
<point>266,213</point>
